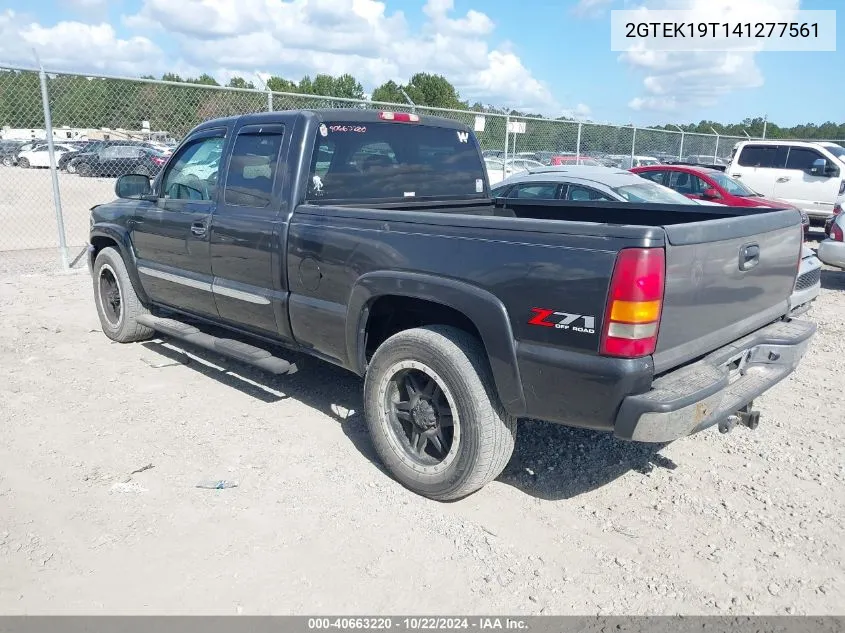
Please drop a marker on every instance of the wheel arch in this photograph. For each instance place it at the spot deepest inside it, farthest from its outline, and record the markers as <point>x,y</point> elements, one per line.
<point>454,303</point>
<point>105,235</point>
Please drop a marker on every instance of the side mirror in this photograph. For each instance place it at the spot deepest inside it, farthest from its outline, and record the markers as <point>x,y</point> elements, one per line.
<point>822,168</point>
<point>133,187</point>
<point>711,194</point>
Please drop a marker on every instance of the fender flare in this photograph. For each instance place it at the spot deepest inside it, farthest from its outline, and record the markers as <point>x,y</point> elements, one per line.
<point>120,236</point>
<point>484,309</point>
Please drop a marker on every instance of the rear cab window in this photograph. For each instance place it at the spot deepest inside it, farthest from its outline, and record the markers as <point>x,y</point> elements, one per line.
<point>770,156</point>
<point>394,161</point>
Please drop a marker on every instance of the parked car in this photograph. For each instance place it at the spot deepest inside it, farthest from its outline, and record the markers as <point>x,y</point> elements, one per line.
<point>462,313</point>
<point>586,183</point>
<point>9,152</point>
<point>702,183</point>
<point>571,159</point>
<point>837,211</point>
<point>39,155</point>
<point>807,175</point>
<point>832,250</point>
<point>493,153</point>
<point>497,169</point>
<point>93,147</point>
<point>604,184</point>
<point>626,162</point>
<point>118,160</point>
<point>705,159</point>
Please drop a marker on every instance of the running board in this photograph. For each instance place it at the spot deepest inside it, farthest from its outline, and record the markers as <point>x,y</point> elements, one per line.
<point>243,352</point>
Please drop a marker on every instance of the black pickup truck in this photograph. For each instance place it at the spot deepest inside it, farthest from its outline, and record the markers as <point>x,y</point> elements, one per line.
<point>369,239</point>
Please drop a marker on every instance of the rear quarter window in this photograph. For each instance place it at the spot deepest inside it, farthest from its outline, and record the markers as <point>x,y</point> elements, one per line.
<point>763,156</point>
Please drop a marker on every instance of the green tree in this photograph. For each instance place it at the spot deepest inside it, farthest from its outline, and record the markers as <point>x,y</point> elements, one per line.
<point>389,92</point>
<point>280,84</point>
<point>204,80</point>
<point>433,90</point>
<point>240,82</point>
<point>348,87</point>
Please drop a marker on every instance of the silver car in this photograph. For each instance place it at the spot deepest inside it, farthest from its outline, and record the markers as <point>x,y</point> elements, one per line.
<point>832,250</point>
<point>596,184</point>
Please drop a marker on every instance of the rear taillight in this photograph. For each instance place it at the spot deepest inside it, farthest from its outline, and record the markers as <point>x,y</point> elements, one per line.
<point>403,117</point>
<point>836,233</point>
<point>158,161</point>
<point>635,303</point>
<point>837,209</point>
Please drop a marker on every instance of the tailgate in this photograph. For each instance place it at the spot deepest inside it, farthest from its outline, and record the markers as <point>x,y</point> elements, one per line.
<point>724,279</point>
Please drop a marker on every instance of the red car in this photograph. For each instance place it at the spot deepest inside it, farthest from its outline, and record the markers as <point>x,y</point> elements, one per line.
<point>703,183</point>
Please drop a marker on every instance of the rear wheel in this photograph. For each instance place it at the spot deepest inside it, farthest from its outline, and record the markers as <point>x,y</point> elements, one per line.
<point>23,162</point>
<point>433,413</point>
<point>118,306</point>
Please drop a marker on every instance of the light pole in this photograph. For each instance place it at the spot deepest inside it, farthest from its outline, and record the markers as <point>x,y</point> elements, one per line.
<point>409,100</point>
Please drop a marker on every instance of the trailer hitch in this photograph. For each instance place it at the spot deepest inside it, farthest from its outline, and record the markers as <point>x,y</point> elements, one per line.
<point>745,416</point>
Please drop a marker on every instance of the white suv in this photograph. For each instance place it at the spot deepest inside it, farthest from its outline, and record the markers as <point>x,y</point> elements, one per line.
<point>807,175</point>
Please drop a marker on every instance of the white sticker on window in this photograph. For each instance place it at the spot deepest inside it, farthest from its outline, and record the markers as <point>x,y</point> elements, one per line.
<point>479,185</point>
<point>324,131</point>
<point>410,194</point>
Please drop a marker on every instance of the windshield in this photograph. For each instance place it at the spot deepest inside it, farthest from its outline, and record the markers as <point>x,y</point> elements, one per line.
<point>648,191</point>
<point>732,186</point>
<point>384,160</point>
<point>836,150</point>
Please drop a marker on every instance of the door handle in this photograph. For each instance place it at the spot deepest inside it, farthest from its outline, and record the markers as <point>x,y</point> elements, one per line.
<point>198,228</point>
<point>783,179</point>
<point>749,256</point>
<point>737,175</point>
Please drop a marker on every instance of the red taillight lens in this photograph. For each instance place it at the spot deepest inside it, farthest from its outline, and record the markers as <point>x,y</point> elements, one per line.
<point>403,117</point>
<point>158,161</point>
<point>836,233</point>
<point>635,303</point>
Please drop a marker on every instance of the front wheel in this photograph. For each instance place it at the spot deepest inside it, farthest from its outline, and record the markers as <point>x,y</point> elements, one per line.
<point>84,169</point>
<point>118,306</point>
<point>23,162</point>
<point>433,413</point>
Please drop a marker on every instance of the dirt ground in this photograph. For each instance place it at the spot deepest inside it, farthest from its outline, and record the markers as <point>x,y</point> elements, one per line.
<point>578,523</point>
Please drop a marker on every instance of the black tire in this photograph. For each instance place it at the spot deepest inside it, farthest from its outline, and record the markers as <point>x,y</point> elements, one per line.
<point>120,321</point>
<point>84,169</point>
<point>482,435</point>
<point>8,161</point>
<point>23,162</point>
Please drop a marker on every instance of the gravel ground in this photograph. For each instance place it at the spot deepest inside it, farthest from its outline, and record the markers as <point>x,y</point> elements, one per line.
<point>579,523</point>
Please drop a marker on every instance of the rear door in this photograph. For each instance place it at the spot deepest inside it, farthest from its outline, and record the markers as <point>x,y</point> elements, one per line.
<point>758,166</point>
<point>724,279</point>
<point>171,236</point>
<point>814,194</point>
<point>247,231</point>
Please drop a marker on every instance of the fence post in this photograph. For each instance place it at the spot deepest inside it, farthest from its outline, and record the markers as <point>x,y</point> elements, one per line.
<point>507,138</point>
<point>51,151</point>
<point>681,150</point>
<point>269,101</point>
<point>578,143</point>
<point>633,146</point>
<point>716,151</point>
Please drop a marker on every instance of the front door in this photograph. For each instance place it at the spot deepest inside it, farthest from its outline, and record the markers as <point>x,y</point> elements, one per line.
<point>814,194</point>
<point>171,236</point>
<point>247,232</point>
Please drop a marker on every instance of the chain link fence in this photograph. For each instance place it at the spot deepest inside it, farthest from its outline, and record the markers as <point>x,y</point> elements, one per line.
<point>103,127</point>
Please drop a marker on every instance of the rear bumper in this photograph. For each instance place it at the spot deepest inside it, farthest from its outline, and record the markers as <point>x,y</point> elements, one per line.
<point>832,253</point>
<point>705,393</point>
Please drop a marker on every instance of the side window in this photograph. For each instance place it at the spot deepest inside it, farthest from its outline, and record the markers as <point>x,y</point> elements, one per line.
<point>654,176</point>
<point>252,169</point>
<point>584,194</point>
<point>182,180</point>
<point>535,191</point>
<point>801,158</point>
<point>686,184</point>
<point>762,156</point>
<point>109,153</point>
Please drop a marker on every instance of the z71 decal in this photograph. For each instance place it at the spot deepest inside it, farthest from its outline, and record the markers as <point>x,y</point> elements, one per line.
<point>563,320</point>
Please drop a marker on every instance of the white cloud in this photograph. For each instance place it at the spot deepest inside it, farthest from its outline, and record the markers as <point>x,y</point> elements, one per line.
<point>591,8</point>
<point>676,82</point>
<point>76,46</point>
<point>361,37</point>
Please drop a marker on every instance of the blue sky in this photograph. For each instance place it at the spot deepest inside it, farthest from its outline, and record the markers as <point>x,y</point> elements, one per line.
<point>551,56</point>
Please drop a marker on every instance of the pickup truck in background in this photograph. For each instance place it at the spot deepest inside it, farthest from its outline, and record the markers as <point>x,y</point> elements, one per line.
<point>369,240</point>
